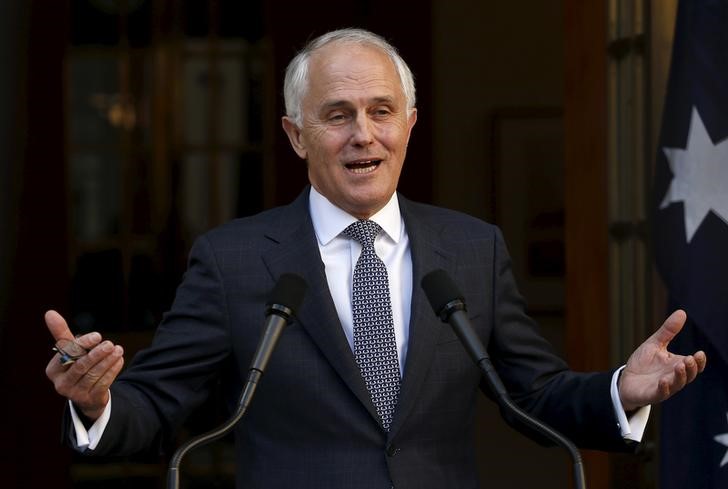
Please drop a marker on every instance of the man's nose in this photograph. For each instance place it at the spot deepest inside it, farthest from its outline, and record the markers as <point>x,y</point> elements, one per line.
<point>362,130</point>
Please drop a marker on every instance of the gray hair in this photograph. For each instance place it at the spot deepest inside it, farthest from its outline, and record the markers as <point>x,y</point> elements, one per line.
<point>296,80</point>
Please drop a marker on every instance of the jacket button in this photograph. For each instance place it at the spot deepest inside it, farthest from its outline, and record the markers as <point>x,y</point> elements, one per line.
<point>392,450</point>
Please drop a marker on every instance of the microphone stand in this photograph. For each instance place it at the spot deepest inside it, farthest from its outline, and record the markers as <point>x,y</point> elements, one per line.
<point>453,312</point>
<point>448,304</point>
<point>217,433</point>
<point>278,317</point>
<point>504,400</point>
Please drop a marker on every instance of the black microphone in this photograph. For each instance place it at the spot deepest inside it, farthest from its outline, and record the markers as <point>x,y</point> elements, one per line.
<point>285,298</point>
<point>449,304</point>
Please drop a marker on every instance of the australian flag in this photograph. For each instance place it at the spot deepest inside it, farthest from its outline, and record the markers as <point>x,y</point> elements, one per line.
<point>690,237</point>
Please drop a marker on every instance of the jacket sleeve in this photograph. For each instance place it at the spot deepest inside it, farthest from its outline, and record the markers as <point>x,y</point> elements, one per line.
<point>578,405</point>
<point>175,375</point>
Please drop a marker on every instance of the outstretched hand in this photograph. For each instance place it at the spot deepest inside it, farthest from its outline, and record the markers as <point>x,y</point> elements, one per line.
<point>653,374</point>
<point>86,381</point>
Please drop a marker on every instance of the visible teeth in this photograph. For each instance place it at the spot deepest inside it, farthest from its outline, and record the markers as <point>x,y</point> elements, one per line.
<point>363,169</point>
<point>363,166</point>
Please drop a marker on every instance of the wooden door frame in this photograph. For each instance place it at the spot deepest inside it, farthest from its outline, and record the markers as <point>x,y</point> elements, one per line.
<point>586,199</point>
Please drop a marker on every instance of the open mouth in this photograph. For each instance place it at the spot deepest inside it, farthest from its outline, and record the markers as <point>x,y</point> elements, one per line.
<point>362,167</point>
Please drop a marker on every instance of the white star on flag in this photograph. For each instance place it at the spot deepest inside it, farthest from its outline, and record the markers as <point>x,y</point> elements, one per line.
<point>723,440</point>
<point>700,176</point>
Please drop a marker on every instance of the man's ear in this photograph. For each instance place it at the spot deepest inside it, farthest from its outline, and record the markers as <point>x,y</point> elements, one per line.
<point>294,136</point>
<point>411,119</point>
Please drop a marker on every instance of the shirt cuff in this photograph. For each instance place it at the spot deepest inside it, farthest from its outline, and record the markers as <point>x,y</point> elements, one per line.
<point>632,428</point>
<point>89,439</point>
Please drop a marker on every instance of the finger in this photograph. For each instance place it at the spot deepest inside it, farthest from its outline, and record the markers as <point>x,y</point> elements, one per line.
<point>680,377</point>
<point>57,326</point>
<point>89,340</point>
<point>56,367</point>
<point>87,382</point>
<point>691,368</point>
<point>108,377</point>
<point>89,391</point>
<point>672,326</point>
<point>701,360</point>
<point>78,370</point>
<point>663,388</point>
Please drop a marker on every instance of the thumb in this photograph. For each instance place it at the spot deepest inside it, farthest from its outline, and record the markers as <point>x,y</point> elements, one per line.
<point>57,326</point>
<point>670,328</point>
<point>60,331</point>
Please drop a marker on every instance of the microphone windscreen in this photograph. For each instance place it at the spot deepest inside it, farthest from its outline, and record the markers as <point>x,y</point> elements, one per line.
<point>440,289</point>
<point>288,291</point>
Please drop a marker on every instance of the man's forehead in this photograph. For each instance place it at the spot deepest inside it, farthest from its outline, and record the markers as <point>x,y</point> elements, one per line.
<point>347,66</point>
<point>335,103</point>
<point>342,50</point>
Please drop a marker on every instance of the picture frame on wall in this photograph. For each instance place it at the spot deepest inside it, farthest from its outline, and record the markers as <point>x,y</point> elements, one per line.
<point>527,199</point>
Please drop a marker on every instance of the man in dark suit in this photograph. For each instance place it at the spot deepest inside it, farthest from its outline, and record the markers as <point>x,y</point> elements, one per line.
<point>343,405</point>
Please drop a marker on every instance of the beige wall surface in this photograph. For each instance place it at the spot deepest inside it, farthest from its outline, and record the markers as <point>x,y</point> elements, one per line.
<point>490,55</point>
<point>487,54</point>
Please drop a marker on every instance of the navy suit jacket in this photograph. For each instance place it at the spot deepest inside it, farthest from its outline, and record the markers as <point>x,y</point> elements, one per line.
<point>312,423</point>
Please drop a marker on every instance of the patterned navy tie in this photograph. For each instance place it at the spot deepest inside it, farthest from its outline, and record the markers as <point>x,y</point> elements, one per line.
<point>375,348</point>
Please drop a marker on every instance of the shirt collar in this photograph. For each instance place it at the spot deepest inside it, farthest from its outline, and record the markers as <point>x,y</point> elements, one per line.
<point>329,221</point>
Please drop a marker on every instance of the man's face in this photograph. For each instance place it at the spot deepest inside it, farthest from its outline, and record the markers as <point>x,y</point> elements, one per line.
<point>355,127</point>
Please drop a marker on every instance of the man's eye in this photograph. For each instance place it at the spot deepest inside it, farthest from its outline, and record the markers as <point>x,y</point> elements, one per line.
<point>337,117</point>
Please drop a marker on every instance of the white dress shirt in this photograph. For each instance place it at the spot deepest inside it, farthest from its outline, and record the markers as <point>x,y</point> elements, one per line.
<point>340,253</point>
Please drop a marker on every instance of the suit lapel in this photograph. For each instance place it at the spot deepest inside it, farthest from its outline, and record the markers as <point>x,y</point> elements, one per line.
<point>296,251</point>
<point>424,329</point>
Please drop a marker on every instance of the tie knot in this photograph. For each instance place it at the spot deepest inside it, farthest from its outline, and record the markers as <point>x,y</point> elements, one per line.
<point>364,231</point>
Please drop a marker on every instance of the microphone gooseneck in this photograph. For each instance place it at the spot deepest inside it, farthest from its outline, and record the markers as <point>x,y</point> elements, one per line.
<point>449,305</point>
<point>285,298</point>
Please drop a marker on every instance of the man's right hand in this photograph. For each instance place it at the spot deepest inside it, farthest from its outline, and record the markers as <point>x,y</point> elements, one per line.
<point>86,381</point>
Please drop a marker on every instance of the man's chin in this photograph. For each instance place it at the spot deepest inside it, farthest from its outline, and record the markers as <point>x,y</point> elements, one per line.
<point>365,207</point>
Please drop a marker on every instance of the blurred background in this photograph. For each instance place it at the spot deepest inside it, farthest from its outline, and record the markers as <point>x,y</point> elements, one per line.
<point>129,127</point>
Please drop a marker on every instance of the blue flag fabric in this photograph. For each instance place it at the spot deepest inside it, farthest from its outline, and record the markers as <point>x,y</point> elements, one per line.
<point>690,238</point>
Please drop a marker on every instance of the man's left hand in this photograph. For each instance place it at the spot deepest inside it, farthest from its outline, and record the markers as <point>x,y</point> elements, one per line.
<point>652,373</point>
